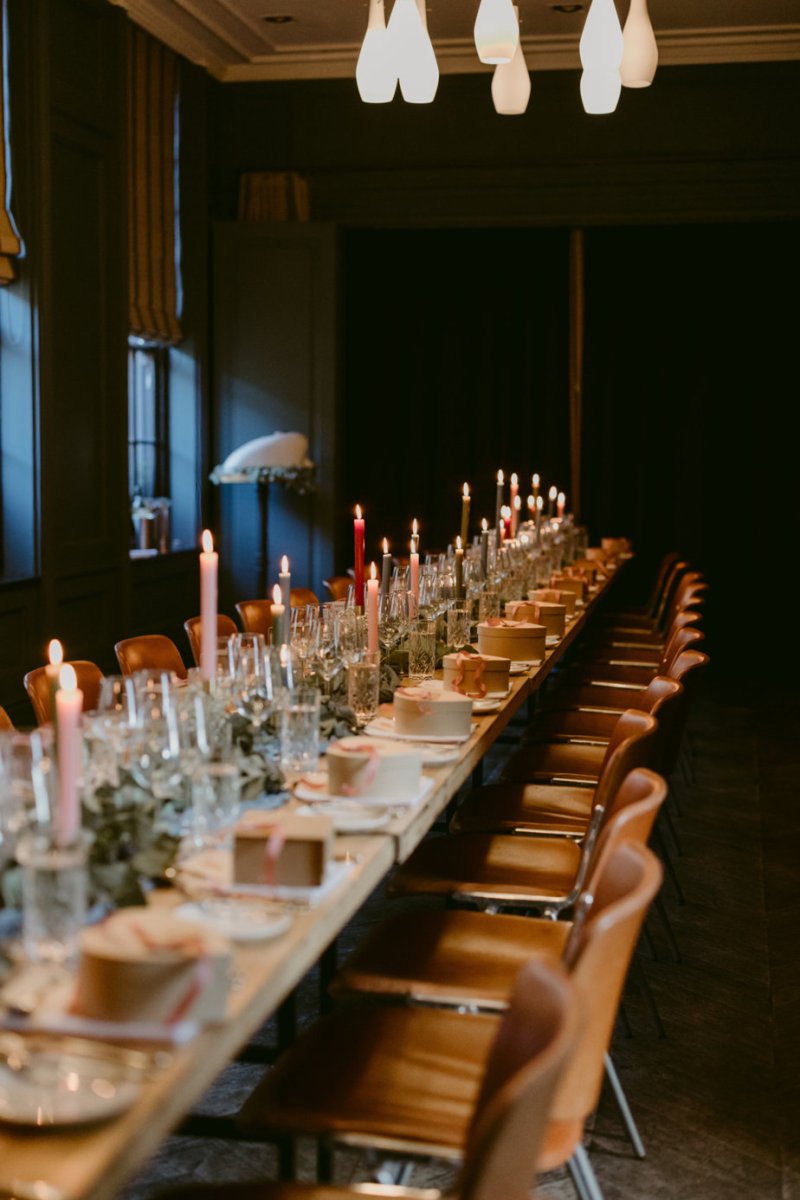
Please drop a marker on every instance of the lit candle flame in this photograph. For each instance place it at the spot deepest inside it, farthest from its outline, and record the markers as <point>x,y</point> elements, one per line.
<point>501,477</point>
<point>484,525</point>
<point>551,495</point>
<point>562,498</point>
<point>414,527</point>
<point>385,546</point>
<point>515,479</point>
<point>359,513</point>
<point>459,545</point>
<point>284,654</point>
<point>55,652</point>
<point>536,481</point>
<point>517,503</point>
<point>531,502</point>
<point>207,541</point>
<point>67,679</point>
<point>505,511</point>
<point>277,594</point>
<point>540,503</point>
<point>373,574</point>
<point>466,491</point>
<point>284,565</point>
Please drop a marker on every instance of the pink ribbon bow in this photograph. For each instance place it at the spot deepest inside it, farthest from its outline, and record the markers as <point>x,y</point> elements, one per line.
<point>461,674</point>
<point>370,771</point>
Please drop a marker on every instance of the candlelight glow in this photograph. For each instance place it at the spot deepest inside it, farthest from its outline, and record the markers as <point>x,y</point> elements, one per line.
<point>373,574</point>
<point>561,498</point>
<point>466,491</point>
<point>55,652</point>
<point>501,477</point>
<point>414,527</point>
<point>535,481</point>
<point>515,479</point>
<point>277,594</point>
<point>359,513</point>
<point>551,495</point>
<point>539,503</point>
<point>67,679</point>
<point>517,503</point>
<point>385,546</point>
<point>484,525</point>
<point>284,565</point>
<point>284,655</point>
<point>459,545</point>
<point>207,542</point>
<point>505,511</point>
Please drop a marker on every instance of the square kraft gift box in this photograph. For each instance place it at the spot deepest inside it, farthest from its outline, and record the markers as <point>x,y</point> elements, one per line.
<point>286,851</point>
<point>476,675</point>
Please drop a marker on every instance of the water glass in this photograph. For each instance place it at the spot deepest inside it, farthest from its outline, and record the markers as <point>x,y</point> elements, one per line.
<point>300,730</point>
<point>422,651</point>
<point>459,626</point>
<point>117,695</point>
<point>363,686</point>
<point>54,886</point>
<point>488,604</point>
<point>216,797</point>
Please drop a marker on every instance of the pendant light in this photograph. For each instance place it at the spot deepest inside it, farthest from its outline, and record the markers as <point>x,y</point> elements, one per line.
<point>496,31</point>
<point>511,83</point>
<point>376,72</point>
<point>414,57</point>
<point>640,52</point>
<point>601,54</point>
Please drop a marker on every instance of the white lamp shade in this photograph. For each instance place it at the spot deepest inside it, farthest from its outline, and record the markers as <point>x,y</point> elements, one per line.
<point>640,52</point>
<point>376,71</point>
<point>414,57</point>
<point>496,31</point>
<point>601,40</point>
<point>511,84</point>
<point>600,91</point>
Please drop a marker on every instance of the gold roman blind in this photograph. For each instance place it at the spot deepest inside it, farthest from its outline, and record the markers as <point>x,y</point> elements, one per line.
<point>152,190</point>
<point>9,239</point>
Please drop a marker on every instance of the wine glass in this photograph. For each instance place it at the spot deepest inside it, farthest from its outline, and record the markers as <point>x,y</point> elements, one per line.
<point>252,689</point>
<point>352,635</point>
<point>390,620</point>
<point>305,634</point>
<point>327,657</point>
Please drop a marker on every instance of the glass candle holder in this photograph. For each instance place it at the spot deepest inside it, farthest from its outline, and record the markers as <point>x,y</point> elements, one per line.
<point>459,626</point>
<point>54,887</point>
<point>300,730</point>
<point>363,686</point>
<point>422,651</point>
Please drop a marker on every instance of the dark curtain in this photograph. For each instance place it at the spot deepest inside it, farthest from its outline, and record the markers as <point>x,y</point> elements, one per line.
<point>455,365</point>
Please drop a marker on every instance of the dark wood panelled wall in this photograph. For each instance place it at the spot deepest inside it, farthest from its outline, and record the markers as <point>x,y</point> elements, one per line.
<point>687,371</point>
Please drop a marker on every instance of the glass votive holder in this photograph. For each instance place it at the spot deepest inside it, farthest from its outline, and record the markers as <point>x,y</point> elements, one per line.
<point>459,626</point>
<point>422,651</point>
<point>54,888</point>
<point>488,604</point>
<point>300,729</point>
<point>216,799</point>
<point>363,686</point>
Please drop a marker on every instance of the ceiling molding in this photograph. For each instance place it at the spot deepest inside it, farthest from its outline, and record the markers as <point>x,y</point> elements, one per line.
<point>222,46</point>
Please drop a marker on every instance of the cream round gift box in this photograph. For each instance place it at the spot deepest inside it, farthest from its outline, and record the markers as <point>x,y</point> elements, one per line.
<point>570,583</point>
<point>144,965</point>
<point>427,712</point>
<point>555,596</point>
<point>476,675</point>
<point>552,616</point>
<point>361,766</point>
<point>521,610</point>
<point>518,640</point>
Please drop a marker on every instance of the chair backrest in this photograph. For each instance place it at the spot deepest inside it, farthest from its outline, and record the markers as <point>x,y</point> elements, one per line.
<point>256,616</point>
<point>37,685</point>
<point>629,746</point>
<point>671,584</point>
<point>688,667</point>
<point>337,586</point>
<point>664,699</point>
<point>685,618</point>
<point>534,1042</point>
<point>149,652</point>
<point>680,640</point>
<point>609,921</point>
<point>666,570</point>
<point>6,724</point>
<point>629,815</point>
<point>300,597</point>
<point>226,627</point>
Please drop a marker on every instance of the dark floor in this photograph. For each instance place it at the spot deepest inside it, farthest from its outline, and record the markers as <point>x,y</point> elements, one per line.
<point>718,1099</point>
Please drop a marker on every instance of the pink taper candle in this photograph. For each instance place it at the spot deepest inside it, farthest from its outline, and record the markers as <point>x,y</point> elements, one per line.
<point>209,569</point>
<point>561,503</point>
<point>373,585</point>
<point>69,705</point>
<point>55,653</point>
<point>413,564</point>
<point>513,492</point>
<point>358,558</point>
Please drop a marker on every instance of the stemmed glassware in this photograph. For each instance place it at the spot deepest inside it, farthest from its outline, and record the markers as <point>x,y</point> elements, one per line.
<point>252,691</point>
<point>392,609</point>
<point>328,658</point>
<point>305,634</point>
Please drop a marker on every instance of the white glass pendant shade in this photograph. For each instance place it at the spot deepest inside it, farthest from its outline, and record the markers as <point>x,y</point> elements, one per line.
<point>600,91</point>
<point>601,40</point>
<point>376,71</point>
<point>496,31</point>
<point>511,84</point>
<point>414,57</point>
<point>639,52</point>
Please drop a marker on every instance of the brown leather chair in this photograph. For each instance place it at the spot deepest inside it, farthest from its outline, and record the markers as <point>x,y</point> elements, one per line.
<point>300,597</point>
<point>37,685</point>
<point>256,617</point>
<point>461,957</point>
<point>409,1080</point>
<point>225,628</point>
<point>337,586</point>
<point>149,652</point>
<point>558,810</point>
<point>630,674</point>
<point>6,724</point>
<point>615,696</point>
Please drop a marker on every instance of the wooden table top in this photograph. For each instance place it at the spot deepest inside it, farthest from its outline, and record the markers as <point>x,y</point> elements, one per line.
<point>94,1163</point>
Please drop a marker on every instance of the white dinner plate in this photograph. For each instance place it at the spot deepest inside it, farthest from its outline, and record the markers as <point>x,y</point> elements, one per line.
<point>486,705</point>
<point>238,920</point>
<point>348,815</point>
<point>384,727</point>
<point>522,668</point>
<point>330,800</point>
<point>54,1088</point>
<point>552,639</point>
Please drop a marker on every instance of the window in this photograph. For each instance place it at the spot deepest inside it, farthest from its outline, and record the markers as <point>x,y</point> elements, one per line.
<point>148,420</point>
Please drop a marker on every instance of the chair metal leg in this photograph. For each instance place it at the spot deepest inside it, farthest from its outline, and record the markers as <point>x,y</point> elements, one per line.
<point>648,941</point>
<point>634,1136</point>
<point>592,1187</point>
<point>577,1180</point>
<point>640,978</point>
<point>660,910</point>
<point>669,866</point>
<point>673,832</point>
<point>626,1025</point>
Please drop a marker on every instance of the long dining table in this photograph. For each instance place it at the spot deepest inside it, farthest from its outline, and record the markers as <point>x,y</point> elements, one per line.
<point>93,1163</point>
